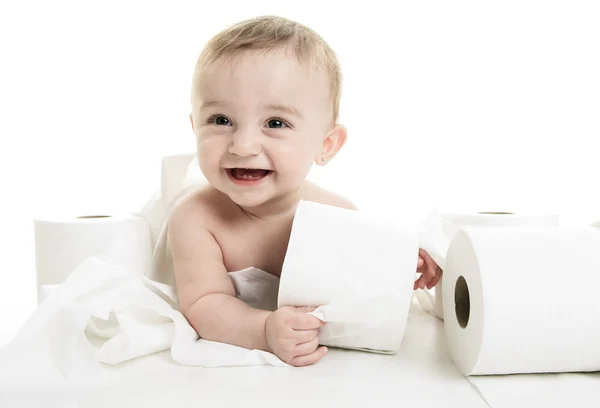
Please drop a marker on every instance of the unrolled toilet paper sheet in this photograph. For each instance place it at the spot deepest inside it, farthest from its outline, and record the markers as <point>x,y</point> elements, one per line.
<point>104,314</point>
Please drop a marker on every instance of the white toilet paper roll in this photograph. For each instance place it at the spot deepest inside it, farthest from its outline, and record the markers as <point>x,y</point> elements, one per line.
<point>360,267</point>
<point>451,223</point>
<point>523,300</point>
<point>62,243</point>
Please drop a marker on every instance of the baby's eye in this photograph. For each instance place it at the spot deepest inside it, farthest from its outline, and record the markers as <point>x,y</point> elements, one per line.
<point>222,121</point>
<point>276,124</point>
<point>219,120</point>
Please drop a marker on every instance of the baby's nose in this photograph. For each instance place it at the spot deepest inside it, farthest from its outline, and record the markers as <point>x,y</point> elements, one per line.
<point>245,143</point>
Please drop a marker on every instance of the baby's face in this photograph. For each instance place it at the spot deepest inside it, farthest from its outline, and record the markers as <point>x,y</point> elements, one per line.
<point>260,121</point>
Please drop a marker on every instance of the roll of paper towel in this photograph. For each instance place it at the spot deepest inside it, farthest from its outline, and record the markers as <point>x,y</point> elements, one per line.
<point>523,300</point>
<point>451,223</point>
<point>62,243</point>
<point>359,268</point>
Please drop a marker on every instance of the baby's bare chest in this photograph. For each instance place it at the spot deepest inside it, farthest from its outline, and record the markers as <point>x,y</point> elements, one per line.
<point>260,244</point>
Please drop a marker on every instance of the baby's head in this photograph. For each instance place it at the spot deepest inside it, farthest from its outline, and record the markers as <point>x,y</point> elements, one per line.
<point>265,97</point>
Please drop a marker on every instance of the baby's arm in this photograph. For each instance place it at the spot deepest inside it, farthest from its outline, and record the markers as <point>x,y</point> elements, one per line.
<point>206,294</point>
<point>208,301</point>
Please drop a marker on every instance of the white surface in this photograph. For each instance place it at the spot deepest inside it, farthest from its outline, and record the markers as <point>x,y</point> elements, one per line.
<point>420,375</point>
<point>564,390</point>
<point>524,314</point>
<point>361,266</point>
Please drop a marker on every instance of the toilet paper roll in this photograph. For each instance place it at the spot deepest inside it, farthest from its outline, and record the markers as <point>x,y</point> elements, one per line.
<point>62,243</point>
<point>360,269</point>
<point>451,223</point>
<point>523,300</point>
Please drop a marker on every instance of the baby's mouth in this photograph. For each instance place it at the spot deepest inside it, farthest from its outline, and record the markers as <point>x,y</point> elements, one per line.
<point>244,174</point>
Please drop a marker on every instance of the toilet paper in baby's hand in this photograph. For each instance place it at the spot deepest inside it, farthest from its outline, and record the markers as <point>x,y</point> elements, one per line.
<point>358,268</point>
<point>351,322</point>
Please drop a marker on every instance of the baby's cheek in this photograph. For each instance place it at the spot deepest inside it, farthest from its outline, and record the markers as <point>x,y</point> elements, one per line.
<point>293,170</point>
<point>210,150</point>
<point>293,157</point>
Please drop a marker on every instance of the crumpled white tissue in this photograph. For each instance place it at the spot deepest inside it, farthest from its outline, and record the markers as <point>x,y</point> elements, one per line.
<point>104,313</point>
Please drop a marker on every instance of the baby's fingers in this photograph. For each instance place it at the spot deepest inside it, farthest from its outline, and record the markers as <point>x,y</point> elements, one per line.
<point>306,348</point>
<point>304,321</point>
<point>305,309</point>
<point>312,358</point>
<point>434,281</point>
<point>304,336</point>
<point>419,283</point>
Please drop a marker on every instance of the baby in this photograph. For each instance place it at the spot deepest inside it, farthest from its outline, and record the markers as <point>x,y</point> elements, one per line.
<point>264,108</point>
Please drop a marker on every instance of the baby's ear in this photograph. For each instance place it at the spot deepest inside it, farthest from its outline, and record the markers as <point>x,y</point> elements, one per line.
<point>334,141</point>
<point>192,121</point>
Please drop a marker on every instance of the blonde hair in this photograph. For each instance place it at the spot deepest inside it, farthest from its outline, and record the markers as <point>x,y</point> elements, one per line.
<point>267,33</point>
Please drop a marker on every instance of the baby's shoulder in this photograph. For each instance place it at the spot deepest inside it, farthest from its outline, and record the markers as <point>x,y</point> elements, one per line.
<point>322,196</point>
<point>204,206</point>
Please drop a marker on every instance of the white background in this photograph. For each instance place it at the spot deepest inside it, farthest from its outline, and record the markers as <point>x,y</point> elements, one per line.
<point>484,106</point>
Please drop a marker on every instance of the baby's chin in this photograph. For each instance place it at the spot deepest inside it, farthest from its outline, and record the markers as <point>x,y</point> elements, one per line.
<point>251,198</point>
<point>249,201</point>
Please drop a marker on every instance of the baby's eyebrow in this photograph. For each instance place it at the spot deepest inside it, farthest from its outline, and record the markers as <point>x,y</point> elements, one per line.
<point>287,109</point>
<point>281,108</point>
<point>208,104</point>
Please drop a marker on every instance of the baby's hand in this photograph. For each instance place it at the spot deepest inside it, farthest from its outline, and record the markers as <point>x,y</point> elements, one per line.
<point>293,337</point>
<point>429,270</point>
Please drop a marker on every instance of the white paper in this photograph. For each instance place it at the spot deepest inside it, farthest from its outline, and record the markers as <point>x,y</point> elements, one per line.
<point>529,304</point>
<point>45,291</point>
<point>439,229</point>
<point>104,313</point>
<point>359,268</point>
